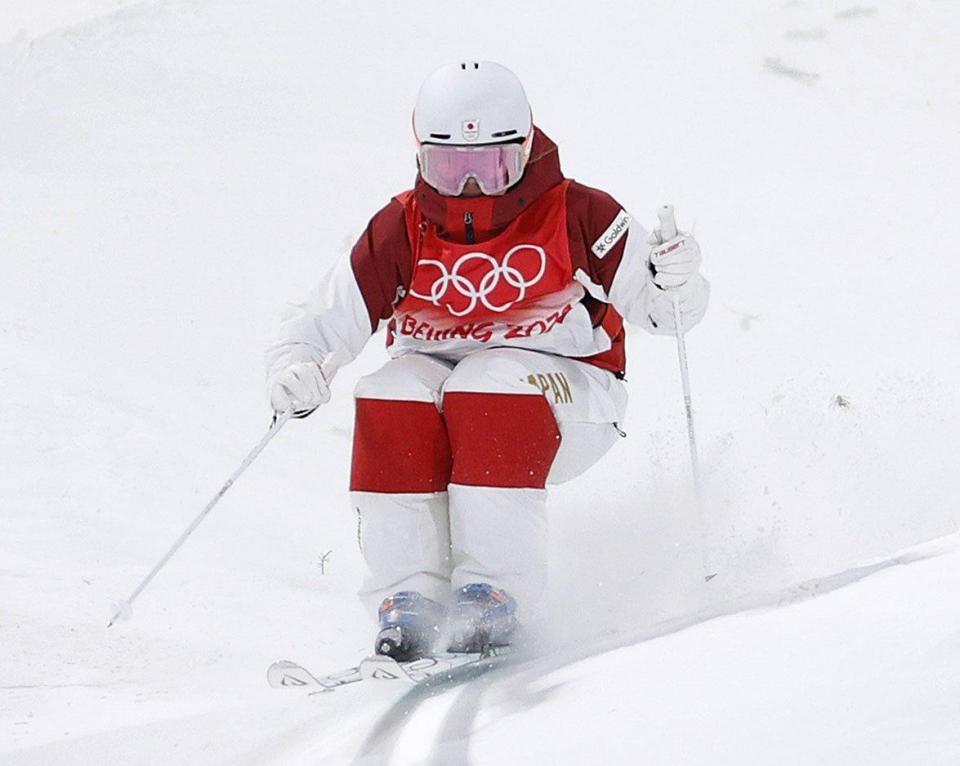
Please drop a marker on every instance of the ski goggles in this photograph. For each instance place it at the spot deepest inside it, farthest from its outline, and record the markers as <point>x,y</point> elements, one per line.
<point>495,167</point>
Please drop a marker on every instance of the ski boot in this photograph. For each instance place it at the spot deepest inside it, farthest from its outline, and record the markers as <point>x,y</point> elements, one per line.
<point>410,626</point>
<point>483,617</point>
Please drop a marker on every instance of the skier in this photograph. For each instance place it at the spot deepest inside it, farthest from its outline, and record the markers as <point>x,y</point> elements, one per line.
<point>503,287</point>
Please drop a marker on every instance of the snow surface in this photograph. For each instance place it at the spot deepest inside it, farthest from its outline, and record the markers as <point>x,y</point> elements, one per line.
<point>172,171</point>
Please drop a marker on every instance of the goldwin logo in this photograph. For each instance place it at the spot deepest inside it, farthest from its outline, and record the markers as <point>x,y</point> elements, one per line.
<point>613,233</point>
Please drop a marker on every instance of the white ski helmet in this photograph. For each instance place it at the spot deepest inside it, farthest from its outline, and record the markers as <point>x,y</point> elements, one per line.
<point>472,102</point>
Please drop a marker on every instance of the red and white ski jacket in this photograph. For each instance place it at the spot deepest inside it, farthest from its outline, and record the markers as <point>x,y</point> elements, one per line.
<point>551,266</point>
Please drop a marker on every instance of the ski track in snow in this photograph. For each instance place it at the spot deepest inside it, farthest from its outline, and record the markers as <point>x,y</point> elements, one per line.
<point>517,680</point>
<point>172,172</point>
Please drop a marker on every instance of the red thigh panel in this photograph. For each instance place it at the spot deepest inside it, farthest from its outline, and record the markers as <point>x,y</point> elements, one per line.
<point>399,447</point>
<point>501,440</point>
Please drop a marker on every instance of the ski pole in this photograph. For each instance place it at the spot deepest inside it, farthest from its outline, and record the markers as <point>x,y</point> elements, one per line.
<point>123,610</point>
<point>668,230</point>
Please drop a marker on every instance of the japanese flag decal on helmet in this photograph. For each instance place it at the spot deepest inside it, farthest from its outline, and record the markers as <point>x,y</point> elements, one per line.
<point>471,130</point>
<point>472,102</point>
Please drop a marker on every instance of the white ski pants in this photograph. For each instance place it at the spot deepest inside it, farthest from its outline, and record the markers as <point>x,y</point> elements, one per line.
<point>451,462</point>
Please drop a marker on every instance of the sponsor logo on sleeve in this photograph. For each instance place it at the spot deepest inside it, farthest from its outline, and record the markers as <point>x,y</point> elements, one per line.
<point>611,236</point>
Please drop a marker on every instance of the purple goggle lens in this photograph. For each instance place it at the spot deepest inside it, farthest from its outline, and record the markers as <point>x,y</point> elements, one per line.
<point>495,167</point>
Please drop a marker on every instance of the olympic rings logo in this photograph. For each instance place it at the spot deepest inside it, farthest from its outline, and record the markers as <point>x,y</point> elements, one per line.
<point>482,292</point>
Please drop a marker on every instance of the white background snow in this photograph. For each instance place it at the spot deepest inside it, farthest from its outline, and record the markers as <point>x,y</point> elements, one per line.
<point>171,172</point>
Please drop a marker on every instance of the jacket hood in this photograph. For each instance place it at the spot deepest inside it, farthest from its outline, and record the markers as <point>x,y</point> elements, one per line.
<point>493,213</point>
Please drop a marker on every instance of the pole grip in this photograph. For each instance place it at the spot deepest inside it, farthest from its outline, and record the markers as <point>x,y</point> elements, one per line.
<point>668,223</point>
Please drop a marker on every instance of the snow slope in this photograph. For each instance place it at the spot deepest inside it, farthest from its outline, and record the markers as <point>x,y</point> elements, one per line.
<point>172,171</point>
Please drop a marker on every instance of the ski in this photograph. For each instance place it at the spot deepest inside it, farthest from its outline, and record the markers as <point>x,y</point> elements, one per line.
<point>445,664</point>
<point>287,674</point>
